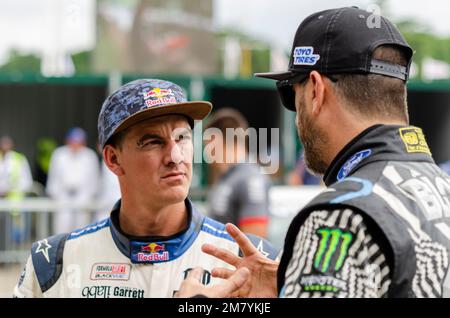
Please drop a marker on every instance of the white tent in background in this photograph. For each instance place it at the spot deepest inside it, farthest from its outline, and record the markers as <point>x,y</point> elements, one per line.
<point>278,59</point>
<point>434,69</point>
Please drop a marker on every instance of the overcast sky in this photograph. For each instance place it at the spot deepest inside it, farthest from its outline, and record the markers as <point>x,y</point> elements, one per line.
<point>29,25</point>
<point>277,20</point>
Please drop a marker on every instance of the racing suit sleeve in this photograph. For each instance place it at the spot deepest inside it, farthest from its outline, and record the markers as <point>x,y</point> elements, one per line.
<point>337,255</point>
<point>28,285</point>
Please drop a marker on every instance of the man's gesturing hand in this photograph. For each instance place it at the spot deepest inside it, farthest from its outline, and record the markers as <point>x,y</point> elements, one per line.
<point>192,286</point>
<point>262,282</point>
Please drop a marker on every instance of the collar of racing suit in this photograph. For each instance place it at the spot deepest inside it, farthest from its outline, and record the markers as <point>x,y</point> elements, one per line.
<point>378,142</point>
<point>155,249</point>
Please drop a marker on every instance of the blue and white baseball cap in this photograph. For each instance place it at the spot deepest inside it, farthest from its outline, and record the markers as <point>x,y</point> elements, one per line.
<point>142,99</point>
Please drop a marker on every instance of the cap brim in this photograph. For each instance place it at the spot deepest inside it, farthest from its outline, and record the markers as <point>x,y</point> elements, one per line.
<point>279,76</point>
<point>195,110</point>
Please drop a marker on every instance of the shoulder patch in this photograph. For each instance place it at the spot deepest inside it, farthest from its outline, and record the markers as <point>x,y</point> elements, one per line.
<point>332,249</point>
<point>263,246</point>
<point>351,163</point>
<point>414,140</point>
<point>47,258</point>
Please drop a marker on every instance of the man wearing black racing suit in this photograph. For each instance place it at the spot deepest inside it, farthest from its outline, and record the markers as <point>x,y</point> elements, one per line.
<point>382,227</point>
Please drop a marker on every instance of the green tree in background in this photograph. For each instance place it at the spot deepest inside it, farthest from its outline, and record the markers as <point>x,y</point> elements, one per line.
<point>421,38</point>
<point>82,62</point>
<point>424,43</point>
<point>255,53</point>
<point>31,64</point>
<point>21,63</point>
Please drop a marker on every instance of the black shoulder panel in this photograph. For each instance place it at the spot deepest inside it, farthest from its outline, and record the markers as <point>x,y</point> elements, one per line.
<point>47,257</point>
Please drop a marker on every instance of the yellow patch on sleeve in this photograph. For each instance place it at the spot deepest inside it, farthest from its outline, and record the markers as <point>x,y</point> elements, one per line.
<point>414,140</point>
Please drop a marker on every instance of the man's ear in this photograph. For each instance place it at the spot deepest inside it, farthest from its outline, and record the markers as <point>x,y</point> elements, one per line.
<point>111,157</point>
<point>318,97</point>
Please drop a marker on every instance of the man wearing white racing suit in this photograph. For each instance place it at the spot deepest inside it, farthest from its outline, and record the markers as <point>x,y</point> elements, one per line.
<point>154,234</point>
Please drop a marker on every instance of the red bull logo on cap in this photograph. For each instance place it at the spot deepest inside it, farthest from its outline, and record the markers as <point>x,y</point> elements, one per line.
<point>159,96</point>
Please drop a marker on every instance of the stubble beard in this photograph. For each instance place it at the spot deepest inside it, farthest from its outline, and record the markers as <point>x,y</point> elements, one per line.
<point>314,141</point>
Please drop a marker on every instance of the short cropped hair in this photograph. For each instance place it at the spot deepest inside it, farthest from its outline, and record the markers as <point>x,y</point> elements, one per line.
<point>373,95</point>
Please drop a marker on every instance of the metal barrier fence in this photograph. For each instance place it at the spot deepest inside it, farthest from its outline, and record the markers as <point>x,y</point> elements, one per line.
<point>24,222</point>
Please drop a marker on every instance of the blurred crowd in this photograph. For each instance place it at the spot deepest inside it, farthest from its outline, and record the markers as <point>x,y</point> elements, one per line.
<point>72,175</point>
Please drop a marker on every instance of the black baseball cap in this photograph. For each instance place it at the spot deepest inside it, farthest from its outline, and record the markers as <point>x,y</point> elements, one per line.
<point>339,41</point>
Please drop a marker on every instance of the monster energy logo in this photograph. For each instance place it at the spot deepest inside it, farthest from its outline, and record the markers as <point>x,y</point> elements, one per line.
<point>333,249</point>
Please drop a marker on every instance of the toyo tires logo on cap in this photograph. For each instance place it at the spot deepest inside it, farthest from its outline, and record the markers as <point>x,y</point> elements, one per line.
<point>304,55</point>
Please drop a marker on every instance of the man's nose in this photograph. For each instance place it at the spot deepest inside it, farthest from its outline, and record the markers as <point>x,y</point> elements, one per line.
<point>174,153</point>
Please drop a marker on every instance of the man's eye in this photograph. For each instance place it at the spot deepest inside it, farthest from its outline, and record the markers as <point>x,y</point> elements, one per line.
<point>150,142</point>
<point>154,142</point>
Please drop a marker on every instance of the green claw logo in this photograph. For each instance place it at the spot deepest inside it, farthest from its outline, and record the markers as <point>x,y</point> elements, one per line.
<point>333,249</point>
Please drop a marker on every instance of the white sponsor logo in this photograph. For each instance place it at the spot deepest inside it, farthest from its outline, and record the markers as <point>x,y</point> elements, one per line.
<point>303,55</point>
<point>110,271</point>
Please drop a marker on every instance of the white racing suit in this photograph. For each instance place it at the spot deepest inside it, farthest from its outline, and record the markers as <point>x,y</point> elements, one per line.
<point>100,261</point>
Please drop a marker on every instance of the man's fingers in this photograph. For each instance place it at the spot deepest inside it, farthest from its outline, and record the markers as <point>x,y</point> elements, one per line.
<point>225,255</point>
<point>223,273</point>
<point>232,284</point>
<point>243,241</point>
<point>195,273</point>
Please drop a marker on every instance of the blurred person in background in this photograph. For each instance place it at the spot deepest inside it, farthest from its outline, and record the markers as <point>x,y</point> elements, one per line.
<point>72,181</point>
<point>300,175</point>
<point>240,191</point>
<point>44,149</point>
<point>15,181</point>
<point>15,172</point>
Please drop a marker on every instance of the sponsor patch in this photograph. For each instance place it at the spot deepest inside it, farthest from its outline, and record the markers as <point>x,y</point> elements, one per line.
<point>332,250</point>
<point>110,271</point>
<point>352,163</point>
<point>414,140</point>
<point>149,253</point>
<point>304,55</point>
<point>111,292</point>
<point>321,283</point>
<point>159,96</point>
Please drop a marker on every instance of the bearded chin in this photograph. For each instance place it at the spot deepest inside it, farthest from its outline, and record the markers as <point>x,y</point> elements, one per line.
<point>314,142</point>
<point>314,165</point>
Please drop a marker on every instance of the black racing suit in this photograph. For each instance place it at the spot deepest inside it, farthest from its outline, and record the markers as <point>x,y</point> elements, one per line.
<point>382,227</point>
